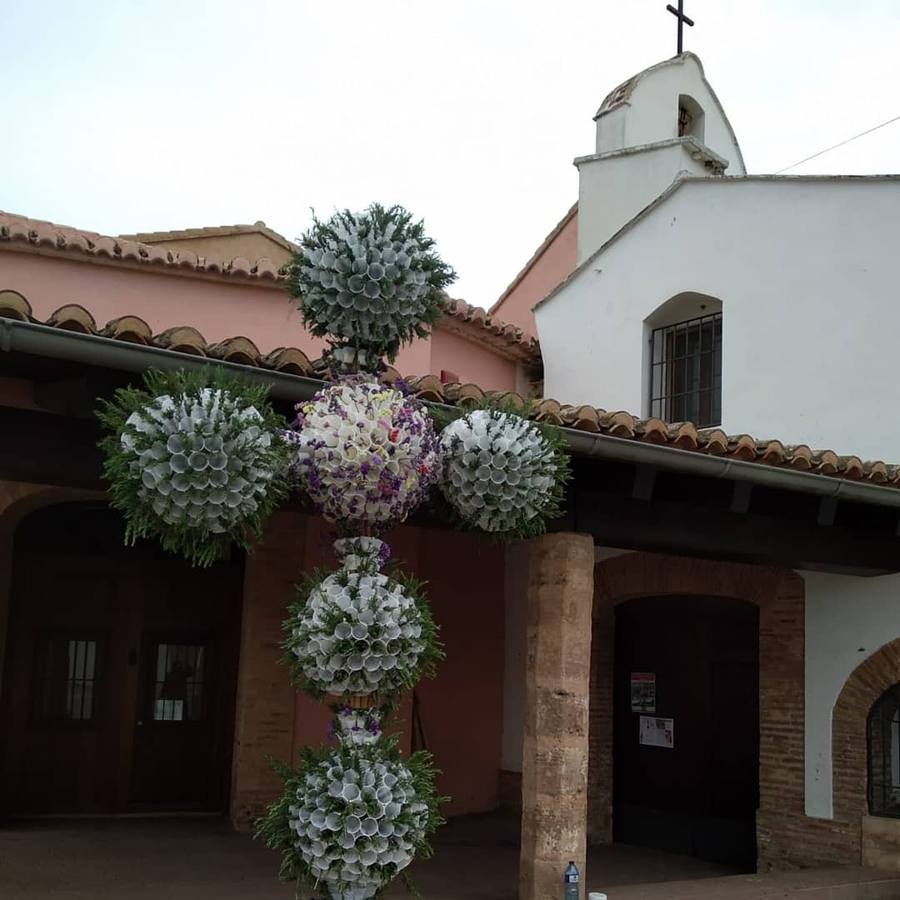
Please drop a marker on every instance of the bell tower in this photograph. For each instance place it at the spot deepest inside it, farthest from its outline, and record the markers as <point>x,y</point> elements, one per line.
<point>659,125</point>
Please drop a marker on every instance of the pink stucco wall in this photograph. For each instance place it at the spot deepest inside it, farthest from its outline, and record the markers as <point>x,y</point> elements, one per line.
<point>452,353</point>
<point>554,264</point>
<point>462,709</point>
<point>220,309</point>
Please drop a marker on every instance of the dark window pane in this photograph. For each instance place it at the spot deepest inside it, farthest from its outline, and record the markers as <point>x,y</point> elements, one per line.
<point>884,755</point>
<point>179,681</point>
<point>686,367</point>
<point>66,678</point>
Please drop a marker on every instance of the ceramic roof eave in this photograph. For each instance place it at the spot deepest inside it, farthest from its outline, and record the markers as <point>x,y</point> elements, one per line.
<point>37,237</point>
<point>687,141</point>
<point>680,60</point>
<point>588,431</point>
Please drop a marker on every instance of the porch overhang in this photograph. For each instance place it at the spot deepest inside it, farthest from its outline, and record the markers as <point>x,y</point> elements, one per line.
<point>634,495</point>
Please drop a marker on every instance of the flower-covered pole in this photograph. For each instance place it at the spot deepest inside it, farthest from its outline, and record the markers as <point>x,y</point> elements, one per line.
<point>354,815</point>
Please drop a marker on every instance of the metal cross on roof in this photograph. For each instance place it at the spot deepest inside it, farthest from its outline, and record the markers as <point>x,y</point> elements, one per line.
<point>682,21</point>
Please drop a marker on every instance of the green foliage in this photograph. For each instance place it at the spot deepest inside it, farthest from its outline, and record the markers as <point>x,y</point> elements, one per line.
<point>200,541</point>
<point>398,278</point>
<point>274,828</point>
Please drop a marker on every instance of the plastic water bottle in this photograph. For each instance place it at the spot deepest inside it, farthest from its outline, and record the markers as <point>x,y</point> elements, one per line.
<point>571,880</point>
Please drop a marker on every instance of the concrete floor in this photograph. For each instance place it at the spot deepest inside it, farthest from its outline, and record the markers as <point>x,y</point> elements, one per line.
<point>476,859</point>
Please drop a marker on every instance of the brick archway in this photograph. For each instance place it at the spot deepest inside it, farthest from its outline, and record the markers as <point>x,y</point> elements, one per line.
<point>779,595</point>
<point>868,681</point>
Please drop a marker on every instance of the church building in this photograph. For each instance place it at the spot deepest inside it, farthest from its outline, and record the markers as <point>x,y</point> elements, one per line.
<point>701,657</point>
<point>683,289</point>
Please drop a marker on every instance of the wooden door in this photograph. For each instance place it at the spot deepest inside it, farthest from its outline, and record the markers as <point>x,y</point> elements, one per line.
<point>92,625</point>
<point>65,687</point>
<point>184,723</point>
<point>698,797</point>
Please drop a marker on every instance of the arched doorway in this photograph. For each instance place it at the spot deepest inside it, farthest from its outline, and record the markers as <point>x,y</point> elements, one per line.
<point>120,671</point>
<point>686,726</point>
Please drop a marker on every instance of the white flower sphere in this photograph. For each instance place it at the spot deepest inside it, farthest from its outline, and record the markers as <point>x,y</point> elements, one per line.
<point>499,471</point>
<point>369,278</point>
<point>358,631</point>
<point>357,820</point>
<point>203,459</point>
<point>366,454</point>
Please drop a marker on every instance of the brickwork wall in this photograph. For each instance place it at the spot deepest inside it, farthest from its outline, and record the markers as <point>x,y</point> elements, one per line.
<point>779,594</point>
<point>797,840</point>
<point>264,722</point>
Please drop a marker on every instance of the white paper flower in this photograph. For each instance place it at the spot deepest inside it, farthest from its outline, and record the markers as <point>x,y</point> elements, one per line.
<point>499,471</point>
<point>357,726</point>
<point>357,820</point>
<point>359,631</point>
<point>365,453</point>
<point>202,458</point>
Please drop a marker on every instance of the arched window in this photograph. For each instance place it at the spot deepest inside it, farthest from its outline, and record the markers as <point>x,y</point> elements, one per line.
<point>684,340</point>
<point>884,754</point>
<point>690,117</point>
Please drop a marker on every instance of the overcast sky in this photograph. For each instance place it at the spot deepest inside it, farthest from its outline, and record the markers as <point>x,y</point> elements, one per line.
<point>120,116</point>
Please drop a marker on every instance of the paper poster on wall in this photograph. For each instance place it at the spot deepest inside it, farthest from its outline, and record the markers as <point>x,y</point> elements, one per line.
<point>657,732</point>
<point>643,692</point>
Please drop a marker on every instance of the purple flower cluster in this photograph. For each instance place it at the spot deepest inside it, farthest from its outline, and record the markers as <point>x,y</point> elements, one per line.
<point>365,454</point>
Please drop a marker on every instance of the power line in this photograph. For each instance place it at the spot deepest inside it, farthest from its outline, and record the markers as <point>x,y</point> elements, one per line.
<point>841,144</point>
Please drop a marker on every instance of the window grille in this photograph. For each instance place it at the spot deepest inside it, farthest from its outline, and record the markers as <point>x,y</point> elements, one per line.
<point>178,683</point>
<point>686,371</point>
<point>884,755</point>
<point>68,669</point>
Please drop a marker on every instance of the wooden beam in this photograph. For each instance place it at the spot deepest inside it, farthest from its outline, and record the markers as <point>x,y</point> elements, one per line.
<point>677,528</point>
<point>740,499</point>
<point>40,448</point>
<point>827,509</point>
<point>644,482</point>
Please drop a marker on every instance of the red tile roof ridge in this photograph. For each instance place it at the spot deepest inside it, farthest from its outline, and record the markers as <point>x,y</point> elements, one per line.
<point>20,232</point>
<point>175,234</point>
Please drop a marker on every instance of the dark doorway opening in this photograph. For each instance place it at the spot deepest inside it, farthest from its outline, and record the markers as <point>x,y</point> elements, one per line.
<point>686,779</point>
<point>120,675</point>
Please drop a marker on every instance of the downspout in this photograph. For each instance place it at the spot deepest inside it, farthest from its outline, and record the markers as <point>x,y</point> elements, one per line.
<point>44,340</point>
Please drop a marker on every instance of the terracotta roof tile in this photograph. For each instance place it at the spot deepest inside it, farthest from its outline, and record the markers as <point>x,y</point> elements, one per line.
<point>23,233</point>
<point>621,424</point>
<point>14,306</point>
<point>128,328</point>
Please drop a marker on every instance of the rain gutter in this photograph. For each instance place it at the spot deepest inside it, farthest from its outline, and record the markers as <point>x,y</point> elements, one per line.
<point>44,340</point>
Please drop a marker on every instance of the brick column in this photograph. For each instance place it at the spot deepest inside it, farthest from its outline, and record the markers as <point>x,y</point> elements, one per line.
<point>264,720</point>
<point>557,674</point>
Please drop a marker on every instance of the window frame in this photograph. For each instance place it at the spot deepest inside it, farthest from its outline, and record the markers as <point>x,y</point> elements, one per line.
<point>889,752</point>
<point>660,405</point>
<point>36,704</point>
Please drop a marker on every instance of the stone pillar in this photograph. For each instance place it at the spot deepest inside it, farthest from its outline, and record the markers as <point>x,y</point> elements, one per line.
<point>557,676</point>
<point>266,700</point>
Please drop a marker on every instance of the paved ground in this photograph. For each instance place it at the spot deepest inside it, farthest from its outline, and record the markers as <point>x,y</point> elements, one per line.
<point>477,859</point>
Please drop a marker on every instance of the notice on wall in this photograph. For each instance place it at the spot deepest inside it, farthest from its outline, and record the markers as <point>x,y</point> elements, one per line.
<point>657,732</point>
<point>643,692</point>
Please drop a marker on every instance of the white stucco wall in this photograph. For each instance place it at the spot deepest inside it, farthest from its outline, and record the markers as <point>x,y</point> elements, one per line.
<point>808,274</point>
<point>650,113</point>
<point>613,189</point>
<point>847,620</point>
